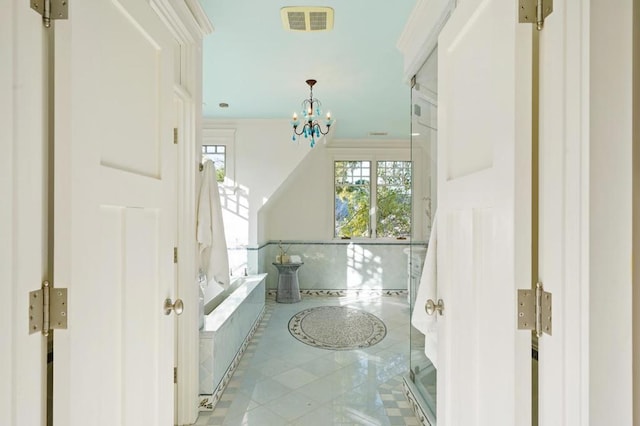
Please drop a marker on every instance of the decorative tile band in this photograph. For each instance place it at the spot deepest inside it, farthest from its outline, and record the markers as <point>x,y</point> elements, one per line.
<point>345,293</point>
<point>208,402</point>
<point>330,243</point>
<point>413,402</point>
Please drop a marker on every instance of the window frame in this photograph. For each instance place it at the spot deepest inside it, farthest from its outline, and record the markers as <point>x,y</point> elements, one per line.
<point>374,215</point>
<point>222,137</point>
<point>224,154</point>
<point>371,192</point>
<point>373,156</point>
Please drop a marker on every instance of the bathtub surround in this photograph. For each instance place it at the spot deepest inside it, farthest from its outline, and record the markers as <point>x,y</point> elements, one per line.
<point>227,330</point>
<point>243,258</point>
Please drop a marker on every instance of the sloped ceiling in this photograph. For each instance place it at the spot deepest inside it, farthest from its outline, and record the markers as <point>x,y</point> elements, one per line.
<point>256,66</point>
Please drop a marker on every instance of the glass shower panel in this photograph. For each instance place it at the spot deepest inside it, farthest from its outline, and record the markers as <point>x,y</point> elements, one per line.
<point>424,108</point>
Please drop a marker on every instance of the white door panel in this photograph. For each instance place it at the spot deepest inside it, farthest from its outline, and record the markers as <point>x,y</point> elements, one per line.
<point>115,215</point>
<point>23,211</point>
<point>484,228</point>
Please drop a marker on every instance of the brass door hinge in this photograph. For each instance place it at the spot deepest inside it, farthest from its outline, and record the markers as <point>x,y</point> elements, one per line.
<point>47,309</point>
<point>175,374</point>
<point>534,11</point>
<point>534,310</point>
<point>175,135</point>
<point>175,255</point>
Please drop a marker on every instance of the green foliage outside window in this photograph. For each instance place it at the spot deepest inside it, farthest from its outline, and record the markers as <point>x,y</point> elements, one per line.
<point>353,199</point>
<point>393,203</point>
<point>217,154</point>
<point>219,174</point>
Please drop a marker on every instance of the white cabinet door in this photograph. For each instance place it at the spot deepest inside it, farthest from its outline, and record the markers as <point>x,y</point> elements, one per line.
<point>114,215</point>
<point>484,218</point>
<point>23,210</point>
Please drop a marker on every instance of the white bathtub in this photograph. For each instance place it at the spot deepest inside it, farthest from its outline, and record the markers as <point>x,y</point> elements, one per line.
<point>232,318</point>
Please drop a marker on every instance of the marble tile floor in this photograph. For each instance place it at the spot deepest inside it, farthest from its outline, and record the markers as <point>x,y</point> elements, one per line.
<point>281,381</point>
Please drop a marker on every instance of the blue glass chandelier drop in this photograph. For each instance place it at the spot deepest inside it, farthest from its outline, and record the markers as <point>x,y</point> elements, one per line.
<point>311,110</point>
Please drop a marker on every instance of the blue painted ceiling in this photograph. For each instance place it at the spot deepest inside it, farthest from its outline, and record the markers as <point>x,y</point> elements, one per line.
<point>256,66</point>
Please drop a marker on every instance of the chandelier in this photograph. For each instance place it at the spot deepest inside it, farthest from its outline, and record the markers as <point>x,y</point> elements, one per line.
<point>311,110</point>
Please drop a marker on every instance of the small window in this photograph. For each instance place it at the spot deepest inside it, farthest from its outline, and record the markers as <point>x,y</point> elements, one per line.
<point>358,213</point>
<point>217,154</point>
<point>352,198</point>
<point>393,199</point>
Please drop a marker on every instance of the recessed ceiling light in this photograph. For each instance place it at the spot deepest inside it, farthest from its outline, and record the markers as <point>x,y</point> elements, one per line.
<point>223,105</point>
<point>415,134</point>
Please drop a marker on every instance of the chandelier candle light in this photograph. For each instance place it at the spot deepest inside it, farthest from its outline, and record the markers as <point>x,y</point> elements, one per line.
<point>311,110</point>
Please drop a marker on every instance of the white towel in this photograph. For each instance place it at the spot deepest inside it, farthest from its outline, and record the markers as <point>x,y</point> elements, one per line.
<point>428,289</point>
<point>214,259</point>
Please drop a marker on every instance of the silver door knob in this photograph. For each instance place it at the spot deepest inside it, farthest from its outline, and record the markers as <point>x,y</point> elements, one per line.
<point>176,306</point>
<point>432,307</point>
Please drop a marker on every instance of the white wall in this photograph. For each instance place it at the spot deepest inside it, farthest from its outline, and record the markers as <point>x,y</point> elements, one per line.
<point>277,189</point>
<point>302,209</point>
<point>264,156</point>
<point>300,213</point>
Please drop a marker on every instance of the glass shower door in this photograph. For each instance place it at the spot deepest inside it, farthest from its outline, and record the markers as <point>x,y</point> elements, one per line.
<point>423,372</point>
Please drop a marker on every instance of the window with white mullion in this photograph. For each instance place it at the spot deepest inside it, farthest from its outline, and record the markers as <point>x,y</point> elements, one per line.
<point>393,199</point>
<point>372,199</point>
<point>352,199</point>
<point>217,154</point>
<point>374,208</point>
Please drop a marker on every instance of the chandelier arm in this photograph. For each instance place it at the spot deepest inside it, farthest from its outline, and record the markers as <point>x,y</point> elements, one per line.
<point>317,125</point>
<point>320,128</point>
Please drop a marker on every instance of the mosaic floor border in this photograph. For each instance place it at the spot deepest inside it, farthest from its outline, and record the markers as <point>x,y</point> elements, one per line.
<point>413,402</point>
<point>345,293</point>
<point>337,328</point>
<point>208,402</point>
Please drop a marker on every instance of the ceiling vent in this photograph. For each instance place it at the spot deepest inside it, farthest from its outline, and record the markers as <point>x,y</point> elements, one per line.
<point>307,18</point>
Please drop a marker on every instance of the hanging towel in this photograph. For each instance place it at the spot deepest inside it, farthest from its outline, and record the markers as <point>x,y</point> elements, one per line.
<point>214,259</point>
<point>428,289</point>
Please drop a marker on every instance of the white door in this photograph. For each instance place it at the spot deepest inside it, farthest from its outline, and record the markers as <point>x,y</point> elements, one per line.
<point>23,211</point>
<point>484,202</point>
<point>115,206</point>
